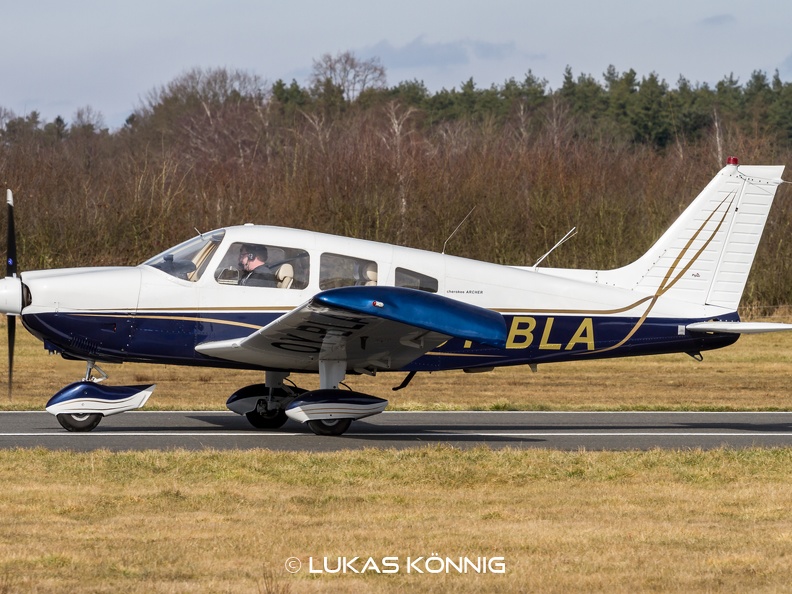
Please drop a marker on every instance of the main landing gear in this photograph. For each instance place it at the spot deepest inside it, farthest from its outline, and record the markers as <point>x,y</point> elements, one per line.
<point>330,427</point>
<point>264,405</point>
<point>271,419</point>
<point>327,411</point>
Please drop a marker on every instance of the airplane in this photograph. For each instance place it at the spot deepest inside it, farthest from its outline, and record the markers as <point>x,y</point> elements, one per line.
<point>289,301</point>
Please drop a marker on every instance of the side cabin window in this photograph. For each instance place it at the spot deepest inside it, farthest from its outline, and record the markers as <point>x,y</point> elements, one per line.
<point>259,265</point>
<point>415,280</point>
<point>336,270</point>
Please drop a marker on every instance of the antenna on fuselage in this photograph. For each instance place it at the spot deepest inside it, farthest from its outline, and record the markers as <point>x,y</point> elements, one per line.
<point>457,228</point>
<point>570,234</point>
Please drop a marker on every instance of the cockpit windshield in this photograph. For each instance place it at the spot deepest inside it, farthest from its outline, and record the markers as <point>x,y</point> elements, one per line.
<point>188,260</point>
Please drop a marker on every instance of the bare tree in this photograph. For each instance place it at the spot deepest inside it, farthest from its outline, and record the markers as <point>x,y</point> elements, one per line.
<point>215,115</point>
<point>88,118</point>
<point>559,123</point>
<point>348,73</point>
<point>6,115</point>
<point>395,139</point>
<point>718,136</point>
<point>207,88</point>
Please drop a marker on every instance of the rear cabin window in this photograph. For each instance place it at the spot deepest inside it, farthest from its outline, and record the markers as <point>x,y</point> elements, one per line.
<point>415,280</point>
<point>337,270</point>
<point>259,265</point>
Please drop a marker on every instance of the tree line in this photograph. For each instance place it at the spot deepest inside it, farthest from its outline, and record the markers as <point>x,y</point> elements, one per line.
<point>346,153</point>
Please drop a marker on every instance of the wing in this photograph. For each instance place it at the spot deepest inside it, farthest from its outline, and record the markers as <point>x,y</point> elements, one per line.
<point>371,328</point>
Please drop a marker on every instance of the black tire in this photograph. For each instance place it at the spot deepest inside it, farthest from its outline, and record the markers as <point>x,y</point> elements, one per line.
<point>273,419</point>
<point>330,426</point>
<point>79,422</point>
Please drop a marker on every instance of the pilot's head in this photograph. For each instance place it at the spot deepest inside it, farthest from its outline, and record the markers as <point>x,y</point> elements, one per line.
<point>251,256</point>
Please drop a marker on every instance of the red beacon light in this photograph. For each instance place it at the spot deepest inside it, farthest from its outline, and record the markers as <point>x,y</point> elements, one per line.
<point>732,161</point>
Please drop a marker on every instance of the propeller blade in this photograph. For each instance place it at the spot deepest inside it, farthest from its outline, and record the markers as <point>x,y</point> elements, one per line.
<point>11,270</point>
<point>11,341</point>
<point>11,250</point>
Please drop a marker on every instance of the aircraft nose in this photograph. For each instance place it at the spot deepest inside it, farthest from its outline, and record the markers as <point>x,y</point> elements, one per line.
<point>11,296</point>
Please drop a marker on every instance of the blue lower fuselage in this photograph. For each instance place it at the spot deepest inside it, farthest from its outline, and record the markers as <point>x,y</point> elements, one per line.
<point>171,338</point>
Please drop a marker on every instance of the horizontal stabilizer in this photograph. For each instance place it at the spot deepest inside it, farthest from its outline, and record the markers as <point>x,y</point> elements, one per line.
<point>738,327</point>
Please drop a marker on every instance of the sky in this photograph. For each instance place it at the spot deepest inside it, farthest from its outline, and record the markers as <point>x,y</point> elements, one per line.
<point>57,57</point>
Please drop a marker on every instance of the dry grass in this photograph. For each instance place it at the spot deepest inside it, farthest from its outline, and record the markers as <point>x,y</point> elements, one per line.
<point>754,374</point>
<point>227,522</point>
<point>563,521</point>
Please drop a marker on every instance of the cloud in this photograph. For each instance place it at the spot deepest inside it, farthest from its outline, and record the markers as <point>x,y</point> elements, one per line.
<point>492,51</point>
<point>420,54</point>
<point>717,20</point>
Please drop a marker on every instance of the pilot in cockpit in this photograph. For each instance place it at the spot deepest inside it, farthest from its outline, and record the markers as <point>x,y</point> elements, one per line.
<point>253,265</point>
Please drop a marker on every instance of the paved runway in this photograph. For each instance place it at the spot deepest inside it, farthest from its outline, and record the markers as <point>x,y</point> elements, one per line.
<point>557,430</point>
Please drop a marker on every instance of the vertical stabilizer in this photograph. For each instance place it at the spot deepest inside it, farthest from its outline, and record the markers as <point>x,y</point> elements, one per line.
<point>707,253</point>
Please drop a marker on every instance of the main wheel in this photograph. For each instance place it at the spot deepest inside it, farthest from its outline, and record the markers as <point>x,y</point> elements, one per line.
<point>79,422</point>
<point>330,426</point>
<point>272,419</point>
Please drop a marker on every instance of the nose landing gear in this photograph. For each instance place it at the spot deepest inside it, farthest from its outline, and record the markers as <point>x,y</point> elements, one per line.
<point>81,406</point>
